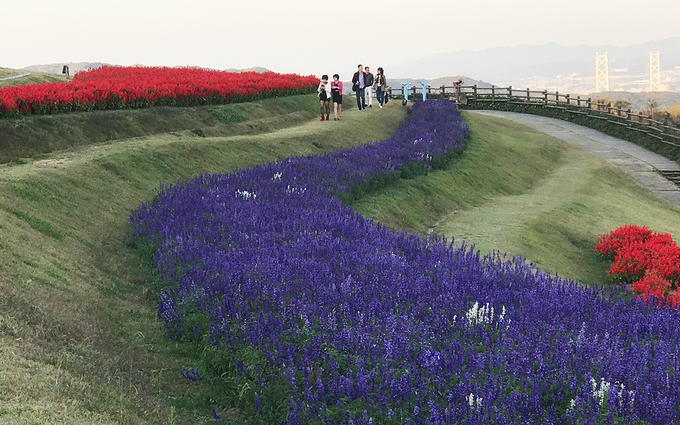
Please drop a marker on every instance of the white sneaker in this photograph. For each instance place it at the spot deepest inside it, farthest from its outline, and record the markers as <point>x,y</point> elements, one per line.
<point>380,106</point>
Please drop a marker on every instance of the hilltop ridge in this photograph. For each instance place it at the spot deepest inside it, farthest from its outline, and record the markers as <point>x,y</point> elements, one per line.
<point>56,68</point>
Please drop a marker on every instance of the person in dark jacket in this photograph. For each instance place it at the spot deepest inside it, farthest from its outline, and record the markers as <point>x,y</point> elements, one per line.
<point>380,86</point>
<point>358,85</point>
<point>369,88</point>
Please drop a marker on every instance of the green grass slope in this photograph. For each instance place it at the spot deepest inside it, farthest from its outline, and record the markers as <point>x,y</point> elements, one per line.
<point>31,137</point>
<point>79,338</point>
<point>519,191</point>
<point>34,77</point>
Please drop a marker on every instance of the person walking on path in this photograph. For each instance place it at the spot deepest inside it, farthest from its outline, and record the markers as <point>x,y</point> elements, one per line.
<point>380,86</point>
<point>336,93</point>
<point>369,88</point>
<point>324,92</point>
<point>358,85</point>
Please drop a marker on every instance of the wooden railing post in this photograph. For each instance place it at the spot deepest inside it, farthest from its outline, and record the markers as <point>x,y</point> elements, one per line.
<point>509,92</point>
<point>578,101</point>
<point>443,92</point>
<point>474,90</point>
<point>557,96</point>
<point>609,108</point>
<point>568,100</point>
<point>545,96</point>
<point>628,115</point>
<point>528,95</point>
<point>590,103</point>
<point>493,93</point>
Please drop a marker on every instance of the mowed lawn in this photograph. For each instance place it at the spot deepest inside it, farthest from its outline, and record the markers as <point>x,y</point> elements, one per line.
<point>79,339</point>
<point>524,193</point>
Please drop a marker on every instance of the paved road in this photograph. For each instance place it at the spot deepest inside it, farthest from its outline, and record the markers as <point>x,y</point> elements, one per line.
<point>14,76</point>
<point>642,164</point>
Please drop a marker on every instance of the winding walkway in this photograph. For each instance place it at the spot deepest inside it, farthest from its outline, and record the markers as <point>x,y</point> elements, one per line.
<point>15,76</point>
<point>642,164</point>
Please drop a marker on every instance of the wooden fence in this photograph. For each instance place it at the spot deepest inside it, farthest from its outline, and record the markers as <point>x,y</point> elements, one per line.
<point>473,97</point>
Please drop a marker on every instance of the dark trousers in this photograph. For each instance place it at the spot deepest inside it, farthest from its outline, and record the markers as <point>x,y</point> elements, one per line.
<point>380,95</point>
<point>361,99</point>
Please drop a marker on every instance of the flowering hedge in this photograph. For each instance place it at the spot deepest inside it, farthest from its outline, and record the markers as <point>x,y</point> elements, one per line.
<point>648,260</point>
<point>306,312</point>
<point>142,87</point>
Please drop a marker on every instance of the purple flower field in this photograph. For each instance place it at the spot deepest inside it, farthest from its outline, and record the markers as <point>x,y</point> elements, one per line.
<point>306,312</point>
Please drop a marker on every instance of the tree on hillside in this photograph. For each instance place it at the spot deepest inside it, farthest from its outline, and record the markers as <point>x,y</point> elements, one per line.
<point>665,117</point>
<point>623,104</point>
<point>604,101</point>
<point>652,108</point>
<point>674,111</point>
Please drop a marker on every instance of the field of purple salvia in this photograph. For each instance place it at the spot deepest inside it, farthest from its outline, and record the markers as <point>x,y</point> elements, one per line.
<point>306,312</point>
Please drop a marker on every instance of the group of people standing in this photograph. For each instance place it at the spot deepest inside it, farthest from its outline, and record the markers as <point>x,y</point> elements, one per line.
<point>363,83</point>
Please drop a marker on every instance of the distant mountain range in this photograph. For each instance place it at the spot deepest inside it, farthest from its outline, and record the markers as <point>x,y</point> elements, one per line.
<point>436,82</point>
<point>639,100</point>
<point>515,65</point>
<point>57,68</point>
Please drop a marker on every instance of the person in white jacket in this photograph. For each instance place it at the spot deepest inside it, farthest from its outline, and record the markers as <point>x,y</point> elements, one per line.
<point>324,92</point>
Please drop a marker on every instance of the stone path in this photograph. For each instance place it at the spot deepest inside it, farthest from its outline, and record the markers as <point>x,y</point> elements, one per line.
<point>642,164</point>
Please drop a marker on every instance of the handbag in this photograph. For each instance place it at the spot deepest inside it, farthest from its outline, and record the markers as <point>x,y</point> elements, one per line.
<point>355,87</point>
<point>387,97</point>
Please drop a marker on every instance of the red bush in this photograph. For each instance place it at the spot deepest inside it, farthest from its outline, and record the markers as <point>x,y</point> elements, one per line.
<point>650,260</point>
<point>652,284</point>
<point>630,262</point>
<point>626,235</point>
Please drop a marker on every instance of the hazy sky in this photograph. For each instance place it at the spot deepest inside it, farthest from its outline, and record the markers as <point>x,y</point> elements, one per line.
<point>310,37</point>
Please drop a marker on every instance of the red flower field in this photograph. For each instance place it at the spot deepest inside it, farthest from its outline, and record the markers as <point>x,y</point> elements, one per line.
<point>143,87</point>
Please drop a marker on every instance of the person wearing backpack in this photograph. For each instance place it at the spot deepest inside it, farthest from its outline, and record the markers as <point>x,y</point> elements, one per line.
<point>381,86</point>
<point>324,92</point>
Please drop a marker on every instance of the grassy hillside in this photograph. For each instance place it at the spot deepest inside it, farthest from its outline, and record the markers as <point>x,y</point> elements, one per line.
<point>525,193</point>
<point>79,338</point>
<point>27,137</point>
<point>34,77</point>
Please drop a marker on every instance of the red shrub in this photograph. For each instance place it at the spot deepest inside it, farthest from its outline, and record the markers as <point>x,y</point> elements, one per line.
<point>630,262</point>
<point>616,239</point>
<point>652,284</point>
<point>650,260</point>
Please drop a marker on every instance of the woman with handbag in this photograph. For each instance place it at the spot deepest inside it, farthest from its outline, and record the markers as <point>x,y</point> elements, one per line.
<point>324,97</point>
<point>336,90</point>
<point>381,86</point>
